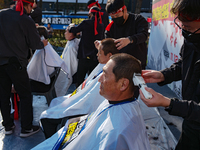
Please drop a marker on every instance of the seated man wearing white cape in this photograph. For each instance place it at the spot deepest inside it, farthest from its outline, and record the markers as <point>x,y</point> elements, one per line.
<point>85,101</point>
<point>117,123</point>
<point>69,55</point>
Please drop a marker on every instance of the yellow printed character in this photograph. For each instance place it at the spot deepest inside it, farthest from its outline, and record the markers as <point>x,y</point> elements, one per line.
<point>70,131</point>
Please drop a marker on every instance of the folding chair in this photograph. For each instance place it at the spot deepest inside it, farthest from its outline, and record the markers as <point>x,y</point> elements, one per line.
<point>50,93</point>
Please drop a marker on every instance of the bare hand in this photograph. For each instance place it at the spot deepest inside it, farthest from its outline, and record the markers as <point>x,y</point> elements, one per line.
<point>152,76</point>
<point>45,42</point>
<point>122,42</point>
<point>97,43</point>
<point>156,100</point>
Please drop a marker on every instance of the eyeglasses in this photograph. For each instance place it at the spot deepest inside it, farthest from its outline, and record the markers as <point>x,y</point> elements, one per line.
<point>183,30</point>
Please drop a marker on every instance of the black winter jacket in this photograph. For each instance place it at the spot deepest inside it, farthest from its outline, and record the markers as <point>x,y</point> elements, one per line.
<point>135,26</point>
<point>186,69</point>
<point>86,45</point>
<point>17,35</point>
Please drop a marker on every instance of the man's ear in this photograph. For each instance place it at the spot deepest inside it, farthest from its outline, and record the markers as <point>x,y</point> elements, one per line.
<point>124,83</point>
<point>109,54</point>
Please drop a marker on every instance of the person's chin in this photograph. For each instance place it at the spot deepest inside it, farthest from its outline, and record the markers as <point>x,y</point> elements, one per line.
<point>101,92</point>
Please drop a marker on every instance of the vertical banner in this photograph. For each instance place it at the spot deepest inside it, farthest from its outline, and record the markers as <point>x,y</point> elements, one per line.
<point>165,40</point>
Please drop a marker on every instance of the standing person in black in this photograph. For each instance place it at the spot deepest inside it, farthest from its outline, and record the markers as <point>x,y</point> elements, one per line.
<point>18,33</point>
<point>187,69</point>
<point>104,15</point>
<point>36,13</point>
<point>92,29</point>
<point>130,31</point>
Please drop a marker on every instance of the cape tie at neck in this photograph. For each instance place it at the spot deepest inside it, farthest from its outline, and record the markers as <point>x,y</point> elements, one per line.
<point>20,7</point>
<point>92,4</point>
<point>95,21</point>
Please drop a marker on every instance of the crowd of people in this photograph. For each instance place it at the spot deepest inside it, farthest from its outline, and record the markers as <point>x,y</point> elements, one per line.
<point>103,112</point>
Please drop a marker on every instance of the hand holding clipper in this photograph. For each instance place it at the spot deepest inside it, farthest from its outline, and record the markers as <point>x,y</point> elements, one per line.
<point>139,81</point>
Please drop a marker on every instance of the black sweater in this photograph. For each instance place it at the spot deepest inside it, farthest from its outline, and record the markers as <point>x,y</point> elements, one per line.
<point>86,45</point>
<point>17,35</point>
<point>135,26</point>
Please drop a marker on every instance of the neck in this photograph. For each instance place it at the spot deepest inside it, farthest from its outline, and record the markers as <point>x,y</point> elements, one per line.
<point>124,100</point>
<point>126,17</point>
<point>121,96</point>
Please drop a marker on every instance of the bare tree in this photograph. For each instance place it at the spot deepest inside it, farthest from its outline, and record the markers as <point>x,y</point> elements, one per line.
<point>138,6</point>
<point>102,2</point>
<point>57,6</point>
<point>40,4</point>
<point>76,6</point>
<point>132,5</point>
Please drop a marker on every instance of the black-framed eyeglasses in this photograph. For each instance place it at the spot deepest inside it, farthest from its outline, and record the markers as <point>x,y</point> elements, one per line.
<point>183,30</point>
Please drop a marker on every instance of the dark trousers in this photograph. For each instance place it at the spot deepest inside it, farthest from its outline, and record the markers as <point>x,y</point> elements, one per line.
<point>17,75</point>
<point>190,136</point>
<point>84,66</point>
<point>50,126</point>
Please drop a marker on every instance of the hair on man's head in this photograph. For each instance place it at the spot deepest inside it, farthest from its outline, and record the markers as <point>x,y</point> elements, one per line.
<point>114,5</point>
<point>71,25</point>
<point>25,4</point>
<point>97,9</point>
<point>12,3</point>
<point>187,10</point>
<point>42,31</point>
<point>125,66</point>
<point>90,2</point>
<point>109,46</point>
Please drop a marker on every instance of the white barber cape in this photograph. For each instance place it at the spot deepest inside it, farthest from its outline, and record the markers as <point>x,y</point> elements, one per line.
<point>120,127</point>
<point>85,101</point>
<point>42,64</point>
<point>69,55</point>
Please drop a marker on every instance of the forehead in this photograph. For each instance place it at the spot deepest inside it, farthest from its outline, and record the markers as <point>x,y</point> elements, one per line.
<point>117,15</point>
<point>108,68</point>
<point>192,24</point>
<point>100,48</point>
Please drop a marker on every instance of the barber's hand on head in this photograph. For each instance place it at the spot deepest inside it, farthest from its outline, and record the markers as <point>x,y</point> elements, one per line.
<point>122,42</point>
<point>97,43</point>
<point>156,100</point>
<point>152,76</point>
<point>45,42</point>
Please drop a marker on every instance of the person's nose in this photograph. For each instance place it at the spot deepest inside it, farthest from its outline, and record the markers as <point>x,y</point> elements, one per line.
<point>100,78</point>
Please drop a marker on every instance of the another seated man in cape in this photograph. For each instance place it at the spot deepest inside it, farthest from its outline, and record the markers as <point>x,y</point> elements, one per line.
<point>85,101</point>
<point>69,54</point>
<point>117,123</point>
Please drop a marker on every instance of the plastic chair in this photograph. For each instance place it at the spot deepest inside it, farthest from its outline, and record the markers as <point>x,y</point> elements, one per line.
<point>51,93</point>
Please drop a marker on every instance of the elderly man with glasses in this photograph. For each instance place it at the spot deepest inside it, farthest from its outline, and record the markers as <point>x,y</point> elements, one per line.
<point>187,69</point>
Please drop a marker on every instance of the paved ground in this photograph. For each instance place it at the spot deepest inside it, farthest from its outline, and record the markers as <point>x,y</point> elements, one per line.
<point>14,142</point>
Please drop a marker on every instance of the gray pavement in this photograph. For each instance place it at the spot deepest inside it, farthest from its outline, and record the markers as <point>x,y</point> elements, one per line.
<point>14,142</point>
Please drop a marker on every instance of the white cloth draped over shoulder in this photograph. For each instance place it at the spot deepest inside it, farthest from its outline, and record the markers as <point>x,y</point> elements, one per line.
<point>119,127</point>
<point>44,61</point>
<point>85,101</point>
<point>69,56</point>
<point>42,64</point>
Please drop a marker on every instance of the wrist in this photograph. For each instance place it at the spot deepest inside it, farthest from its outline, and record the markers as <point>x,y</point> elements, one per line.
<point>130,39</point>
<point>166,102</point>
<point>168,105</point>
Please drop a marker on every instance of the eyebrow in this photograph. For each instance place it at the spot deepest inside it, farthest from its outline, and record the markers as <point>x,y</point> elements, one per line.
<point>104,70</point>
